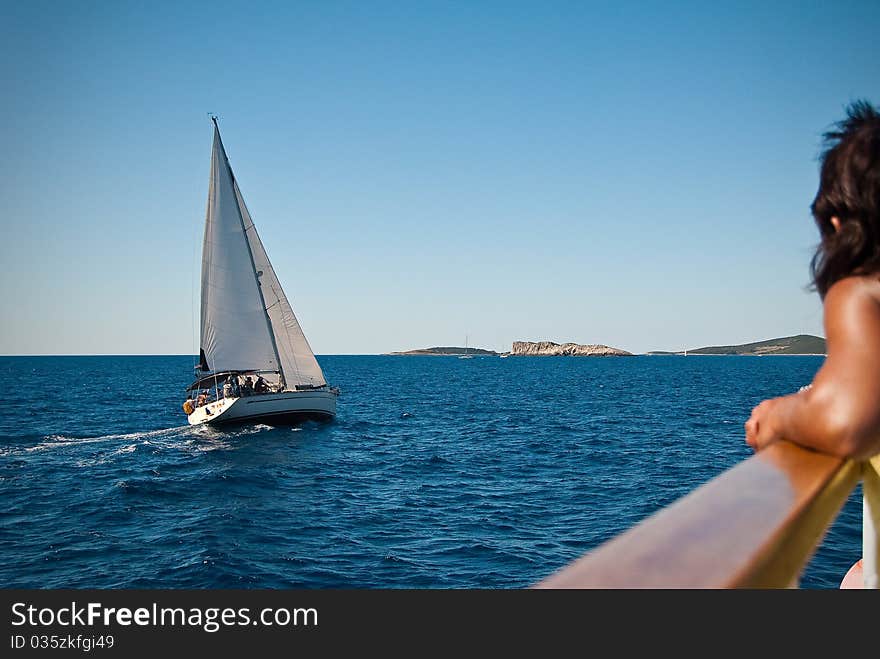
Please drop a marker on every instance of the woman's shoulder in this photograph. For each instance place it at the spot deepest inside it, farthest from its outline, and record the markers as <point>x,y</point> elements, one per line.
<point>856,285</point>
<point>854,291</point>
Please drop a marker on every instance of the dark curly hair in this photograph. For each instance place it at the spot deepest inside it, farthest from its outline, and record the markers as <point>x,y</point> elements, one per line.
<point>849,189</point>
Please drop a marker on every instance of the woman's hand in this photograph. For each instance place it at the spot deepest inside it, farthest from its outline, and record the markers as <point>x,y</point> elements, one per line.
<point>839,414</point>
<point>761,428</point>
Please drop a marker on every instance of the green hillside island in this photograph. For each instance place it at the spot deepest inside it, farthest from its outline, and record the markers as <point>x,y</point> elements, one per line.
<point>802,344</point>
<point>446,351</point>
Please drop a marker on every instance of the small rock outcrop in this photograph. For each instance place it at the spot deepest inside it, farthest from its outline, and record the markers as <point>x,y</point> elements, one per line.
<point>550,349</point>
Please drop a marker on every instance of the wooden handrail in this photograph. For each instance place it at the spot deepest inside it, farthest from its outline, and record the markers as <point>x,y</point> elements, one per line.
<point>754,526</point>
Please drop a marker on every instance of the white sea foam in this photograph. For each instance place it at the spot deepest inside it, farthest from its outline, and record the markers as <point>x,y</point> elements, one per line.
<point>200,438</point>
<point>204,446</point>
<point>62,441</point>
<point>204,438</point>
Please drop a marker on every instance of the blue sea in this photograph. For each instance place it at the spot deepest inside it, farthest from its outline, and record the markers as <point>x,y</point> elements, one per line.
<point>437,473</point>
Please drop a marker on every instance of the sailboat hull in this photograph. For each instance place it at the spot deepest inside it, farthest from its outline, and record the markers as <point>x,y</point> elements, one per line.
<point>274,409</point>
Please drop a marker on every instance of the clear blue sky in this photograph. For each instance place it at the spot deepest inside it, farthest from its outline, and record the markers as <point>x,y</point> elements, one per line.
<point>637,175</point>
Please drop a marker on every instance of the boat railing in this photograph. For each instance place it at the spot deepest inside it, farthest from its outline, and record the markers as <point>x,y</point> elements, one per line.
<point>754,526</point>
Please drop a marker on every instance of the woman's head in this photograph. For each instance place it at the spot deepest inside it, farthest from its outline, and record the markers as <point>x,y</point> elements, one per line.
<point>847,204</point>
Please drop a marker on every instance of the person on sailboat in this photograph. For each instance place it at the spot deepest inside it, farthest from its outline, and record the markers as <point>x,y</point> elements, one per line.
<point>261,387</point>
<point>838,413</point>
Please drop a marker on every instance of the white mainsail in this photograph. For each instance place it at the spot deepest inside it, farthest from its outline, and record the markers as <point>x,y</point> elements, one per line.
<point>247,322</point>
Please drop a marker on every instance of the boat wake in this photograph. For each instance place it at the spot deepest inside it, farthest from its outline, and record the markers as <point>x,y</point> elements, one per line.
<point>191,439</point>
<point>50,442</point>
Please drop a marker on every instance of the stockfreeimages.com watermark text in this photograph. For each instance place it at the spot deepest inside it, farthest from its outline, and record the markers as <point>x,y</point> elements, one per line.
<point>209,619</point>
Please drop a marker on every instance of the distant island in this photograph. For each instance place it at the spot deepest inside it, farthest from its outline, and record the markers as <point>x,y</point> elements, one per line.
<point>446,351</point>
<point>802,344</point>
<point>526,349</point>
<point>550,349</point>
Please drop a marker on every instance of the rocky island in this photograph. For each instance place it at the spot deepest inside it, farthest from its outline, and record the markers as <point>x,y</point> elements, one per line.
<point>550,349</point>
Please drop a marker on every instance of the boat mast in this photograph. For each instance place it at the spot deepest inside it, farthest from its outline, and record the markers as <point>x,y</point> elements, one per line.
<point>253,265</point>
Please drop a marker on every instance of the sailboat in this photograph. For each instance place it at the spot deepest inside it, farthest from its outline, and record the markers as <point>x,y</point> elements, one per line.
<point>255,364</point>
<point>467,354</point>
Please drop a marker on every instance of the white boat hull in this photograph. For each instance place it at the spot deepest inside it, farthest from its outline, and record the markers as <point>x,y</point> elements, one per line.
<point>277,408</point>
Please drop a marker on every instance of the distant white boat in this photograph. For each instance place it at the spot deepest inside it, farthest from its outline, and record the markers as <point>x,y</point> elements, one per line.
<point>255,364</point>
<point>466,354</point>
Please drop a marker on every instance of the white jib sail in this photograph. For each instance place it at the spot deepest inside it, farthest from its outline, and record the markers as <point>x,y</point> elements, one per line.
<point>298,363</point>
